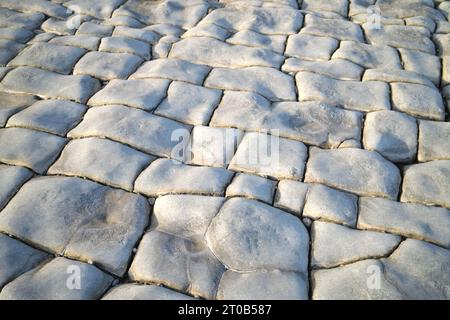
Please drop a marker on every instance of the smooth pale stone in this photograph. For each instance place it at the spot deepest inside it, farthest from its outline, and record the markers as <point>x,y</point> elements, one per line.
<point>53,116</point>
<point>145,35</point>
<point>32,149</point>
<point>251,187</point>
<point>89,28</point>
<point>334,245</point>
<point>422,63</point>
<point>207,30</point>
<point>125,45</point>
<point>50,85</point>
<point>416,270</point>
<point>406,9</point>
<point>163,47</point>
<point>363,172</point>
<point>187,216</point>
<point>17,258</point>
<point>262,285</point>
<point>210,51</point>
<point>16,34</point>
<point>410,220</point>
<point>247,235</point>
<point>417,100</point>
<point>291,196</point>
<point>339,69</point>
<point>49,56</point>
<point>254,39</point>
<point>124,21</point>
<point>101,9</point>
<point>51,281</point>
<point>177,263</point>
<point>98,223</point>
<point>268,82</point>
<point>392,134</point>
<point>131,291</point>
<point>102,160</point>
<point>305,46</point>
<point>134,127</point>
<point>213,146</point>
<point>327,204</point>
<point>42,37</point>
<point>107,66</point>
<point>189,103</point>
<point>434,141</point>
<point>399,37</point>
<point>361,96</point>
<point>262,20</point>
<point>143,94</point>
<point>13,103</point>
<point>166,176</point>
<point>11,18</point>
<point>368,56</point>
<point>263,3</point>
<point>180,13</point>
<point>338,29</point>
<point>82,41</point>
<point>427,183</point>
<point>338,6</point>
<point>172,69</point>
<point>166,29</point>
<point>12,179</point>
<point>61,27</point>
<point>442,27</point>
<point>446,70</point>
<point>271,156</point>
<point>394,75</point>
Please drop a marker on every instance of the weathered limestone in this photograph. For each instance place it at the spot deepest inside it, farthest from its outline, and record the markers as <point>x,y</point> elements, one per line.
<point>336,6</point>
<point>252,187</point>
<point>50,282</point>
<point>338,69</point>
<point>82,41</point>
<point>29,148</point>
<point>392,134</point>
<point>50,85</point>
<point>423,63</point>
<point>247,235</point>
<point>291,196</point>
<point>208,30</point>
<point>120,44</point>
<point>427,183</point>
<point>166,176</point>
<point>89,28</point>
<point>338,29</point>
<point>12,179</point>
<point>13,103</point>
<point>97,224</point>
<point>141,34</point>
<point>308,47</point>
<point>132,291</point>
<point>101,9</point>
<point>396,75</point>
<point>434,141</point>
<point>250,38</point>
<point>363,172</point>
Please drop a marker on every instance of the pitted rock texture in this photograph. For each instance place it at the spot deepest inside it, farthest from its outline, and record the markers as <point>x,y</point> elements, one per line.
<point>225,149</point>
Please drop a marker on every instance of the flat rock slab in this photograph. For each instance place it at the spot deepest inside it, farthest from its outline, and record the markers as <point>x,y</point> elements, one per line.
<point>334,28</point>
<point>434,141</point>
<point>120,44</point>
<point>290,196</point>
<point>365,173</point>
<point>143,292</point>
<point>50,85</point>
<point>252,187</point>
<point>309,47</point>
<point>13,103</point>
<point>12,179</point>
<point>98,223</point>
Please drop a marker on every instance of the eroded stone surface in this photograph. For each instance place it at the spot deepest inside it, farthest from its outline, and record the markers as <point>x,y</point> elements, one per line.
<point>12,179</point>
<point>143,292</point>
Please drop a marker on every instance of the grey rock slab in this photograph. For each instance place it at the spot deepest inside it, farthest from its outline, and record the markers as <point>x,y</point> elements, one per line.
<point>334,28</point>
<point>251,187</point>
<point>392,134</point>
<point>338,69</point>
<point>141,34</point>
<point>363,172</point>
<point>173,69</point>
<point>422,63</point>
<point>17,258</point>
<point>268,82</point>
<point>361,96</point>
<point>327,204</point>
<point>90,28</point>
<point>410,220</point>
<point>137,128</point>
<point>46,7</point>
<point>434,140</point>
<point>177,263</point>
<point>334,245</point>
<point>188,103</point>
<point>98,224</point>
<point>12,179</point>
<point>131,291</point>
<point>210,51</point>
<point>396,75</point>
<point>60,27</point>
<point>20,35</point>
<point>51,85</point>
<point>120,44</point>
<point>207,30</point>
<point>166,176</point>
<point>101,160</point>
<point>29,148</point>
<point>291,196</point>
<point>49,57</point>
<point>143,94</point>
<point>53,116</point>
<point>262,285</point>
<point>51,282</point>
<point>309,47</point>
<point>427,183</point>
<point>247,235</point>
<point>107,66</point>
<point>368,56</point>
<point>13,103</point>
<point>250,38</point>
<point>101,9</point>
<point>269,155</point>
<point>417,100</point>
<point>12,18</point>
<point>82,41</point>
<point>337,6</point>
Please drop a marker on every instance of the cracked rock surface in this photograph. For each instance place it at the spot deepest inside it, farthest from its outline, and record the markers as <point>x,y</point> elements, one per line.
<point>224,149</point>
